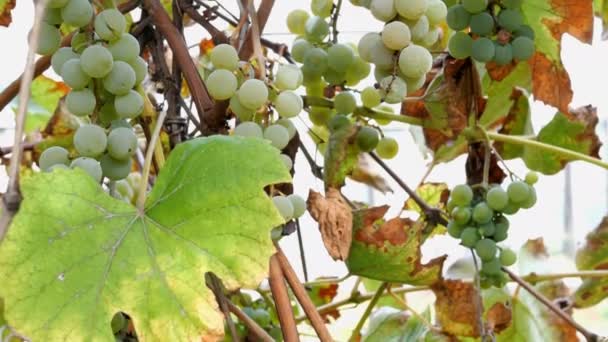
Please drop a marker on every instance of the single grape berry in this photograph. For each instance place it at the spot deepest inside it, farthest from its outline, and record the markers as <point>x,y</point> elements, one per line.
<point>491,267</point>
<point>387,148</point>
<point>469,237</point>
<point>507,257</point>
<point>338,122</point>
<point>518,191</point>
<point>454,229</point>
<point>523,48</point>
<point>249,129</point>
<point>511,208</point>
<point>482,213</point>
<point>486,249</point>
<point>487,229</point>
<point>460,45</point>
<point>284,206</point>
<point>299,205</point>
<point>482,24</point>
<point>345,103</point>
<point>462,195</point>
<point>52,156</point>
<point>497,198</point>
<point>475,6</point>
<point>530,200</point>
<point>461,215</point>
<point>510,19</point>
<point>367,139</point>
<point>482,50</point>
<point>503,54</point>
<point>458,18</point>
<point>278,136</point>
<point>531,178</point>
<point>524,31</point>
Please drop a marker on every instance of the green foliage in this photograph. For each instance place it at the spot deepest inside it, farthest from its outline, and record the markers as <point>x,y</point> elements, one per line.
<point>87,256</point>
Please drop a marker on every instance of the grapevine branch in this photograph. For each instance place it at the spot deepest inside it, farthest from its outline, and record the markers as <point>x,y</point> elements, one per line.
<point>591,337</point>
<point>356,335</point>
<point>334,21</point>
<point>262,18</point>
<point>215,284</point>
<point>281,301</point>
<point>251,325</point>
<point>302,253</point>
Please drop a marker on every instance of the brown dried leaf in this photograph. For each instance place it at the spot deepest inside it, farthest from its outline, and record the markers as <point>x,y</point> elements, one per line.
<point>364,173</point>
<point>6,6</point>
<point>335,220</point>
<point>475,164</point>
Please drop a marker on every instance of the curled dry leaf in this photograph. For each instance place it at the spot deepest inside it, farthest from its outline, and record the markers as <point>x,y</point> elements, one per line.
<point>475,164</point>
<point>364,173</point>
<point>335,220</point>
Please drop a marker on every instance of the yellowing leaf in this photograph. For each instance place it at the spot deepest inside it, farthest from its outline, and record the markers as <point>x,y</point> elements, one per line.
<point>6,6</point>
<point>593,256</point>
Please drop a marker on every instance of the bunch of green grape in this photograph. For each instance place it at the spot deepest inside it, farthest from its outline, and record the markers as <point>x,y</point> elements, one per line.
<point>400,52</point>
<point>260,313</point>
<point>496,31</point>
<point>76,13</point>
<point>102,68</point>
<point>478,220</point>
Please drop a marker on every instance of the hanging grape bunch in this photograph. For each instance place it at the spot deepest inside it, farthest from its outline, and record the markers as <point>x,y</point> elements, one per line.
<point>103,68</point>
<point>479,221</point>
<point>496,32</point>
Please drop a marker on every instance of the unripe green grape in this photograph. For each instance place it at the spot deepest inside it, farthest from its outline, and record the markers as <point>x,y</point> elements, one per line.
<point>382,57</point>
<point>73,75</point>
<point>458,18</point>
<point>455,230</point>
<point>288,104</point>
<point>387,148</point>
<point>345,103</point>
<point>483,50</point>
<point>122,143</point>
<point>81,102</point>
<point>366,45</point>
<point>284,207</point>
<point>224,56</point>
<point>531,178</point>
<point>110,24</point>
<point>486,249</point>
<point>120,80</point>
<point>90,140</point>
<point>278,136</point>
<point>469,237</point>
<point>288,124</point>
<point>511,208</point>
<point>530,200</point>
<point>90,166</point>
<point>419,28</point>
<point>487,229</point>
<point>414,84</point>
<point>411,9</point>
<point>338,122</point>
<point>393,89</point>
<point>320,115</point>
<point>497,198</point>
<point>482,213</point>
<point>49,40</point>
<point>286,161</point>
<point>357,71</point>
<point>436,11</point>
<point>482,24</point>
<point>288,77</point>
<point>340,57</point>
<point>56,4</point>
<point>129,105</point>
<point>52,16</point>
<point>507,257</point>
<point>316,29</point>
<point>299,49</point>
<point>97,61</point>
<point>299,205</point>
<point>124,189</point>
<point>503,54</point>
<point>120,123</point>
<point>321,8</point>
<point>462,195</point>
<point>415,61</point>
<point>461,215</point>
<point>451,205</point>
<point>380,74</point>
<point>312,78</point>
<point>460,45</point>
<point>107,113</point>
<point>523,48</point>
<point>396,35</point>
<point>518,191</point>
<point>221,84</point>
<point>524,31</point>
<point>370,97</point>
<point>475,6</point>
<point>61,56</point>
<point>334,77</point>
<point>253,93</point>
<point>242,112</point>
<point>510,19</point>
<point>316,61</point>
<point>491,267</point>
<point>140,67</point>
<point>383,10</point>
<point>249,129</point>
<point>53,155</point>
<point>367,139</point>
<point>115,169</point>
<point>296,21</point>
<point>77,13</point>
<point>125,49</point>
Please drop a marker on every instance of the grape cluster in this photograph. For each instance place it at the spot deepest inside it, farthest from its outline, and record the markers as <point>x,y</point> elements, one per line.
<point>478,220</point>
<point>400,52</point>
<point>497,32</point>
<point>102,68</point>
<point>259,312</point>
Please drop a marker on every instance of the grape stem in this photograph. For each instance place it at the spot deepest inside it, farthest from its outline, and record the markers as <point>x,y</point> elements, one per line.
<point>334,21</point>
<point>356,335</point>
<point>520,140</point>
<point>591,337</point>
<point>12,197</point>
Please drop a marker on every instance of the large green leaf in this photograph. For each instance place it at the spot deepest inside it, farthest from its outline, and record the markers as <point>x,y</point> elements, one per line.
<point>85,256</point>
<point>390,251</point>
<point>593,255</point>
<point>574,131</point>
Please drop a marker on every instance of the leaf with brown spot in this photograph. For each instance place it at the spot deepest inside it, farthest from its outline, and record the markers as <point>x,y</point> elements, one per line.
<point>340,156</point>
<point>6,6</point>
<point>517,122</point>
<point>435,195</point>
<point>364,173</point>
<point>324,293</point>
<point>593,256</point>
<point>574,131</point>
<point>390,250</point>
<point>335,220</point>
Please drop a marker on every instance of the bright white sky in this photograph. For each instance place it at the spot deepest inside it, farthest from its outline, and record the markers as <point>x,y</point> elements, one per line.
<point>586,64</point>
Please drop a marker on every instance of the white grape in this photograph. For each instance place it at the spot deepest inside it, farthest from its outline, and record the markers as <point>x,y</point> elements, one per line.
<point>414,84</point>
<point>299,205</point>
<point>284,207</point>
<point>90,140</point>
<point>291,128</point>
<point>249,129</point>
<point>288,77</point>
<point>110,24</point>
<point>381,56</point>
<point>253,93</point>
<point>431,37</point>
<point>415,61</point>
<point>419,28</point>
<point>396,35</point>
<point>61,56</point>
<point>411,9</point>
<point>436,11</point>
<point>287,161</point>
<point>394,89</point>
<point>221,84</point>
<point>366,45</point>
<point>278,136</point>
<point>383,10</point>
<point>296,21</point>
<point>90,166</point>
<point>81,102</point>
<point>224,56</point>
<point>54,155</point>
<point>288,104</point>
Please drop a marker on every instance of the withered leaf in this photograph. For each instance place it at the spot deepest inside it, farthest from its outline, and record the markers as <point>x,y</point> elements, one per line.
<point>335,220</point>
